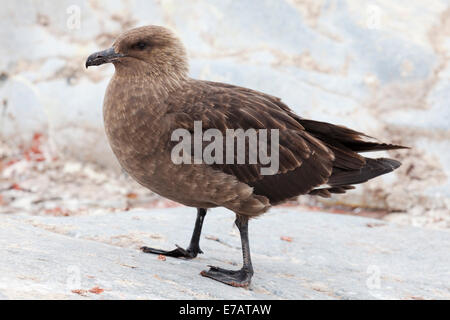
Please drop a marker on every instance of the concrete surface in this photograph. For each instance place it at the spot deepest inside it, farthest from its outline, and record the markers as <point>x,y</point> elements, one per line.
<point>296,255</point>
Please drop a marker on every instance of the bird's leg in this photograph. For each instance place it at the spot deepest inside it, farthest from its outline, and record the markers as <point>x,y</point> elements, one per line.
<point>238,278</point>
<point>194,247</point>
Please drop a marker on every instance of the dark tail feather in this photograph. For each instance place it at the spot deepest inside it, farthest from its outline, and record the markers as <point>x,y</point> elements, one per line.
<point>342,136</point>
<point>349,167</point>
<point>342,180</point>
<point>326,192</point>
<point>363,146</point>
<point>372,169</point>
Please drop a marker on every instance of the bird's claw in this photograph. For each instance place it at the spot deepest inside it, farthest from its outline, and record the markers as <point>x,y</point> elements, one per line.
<point>179,252</point>
<point>236,278</point>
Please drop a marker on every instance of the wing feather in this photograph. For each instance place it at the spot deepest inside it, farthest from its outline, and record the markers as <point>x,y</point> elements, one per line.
<point>304,161</point>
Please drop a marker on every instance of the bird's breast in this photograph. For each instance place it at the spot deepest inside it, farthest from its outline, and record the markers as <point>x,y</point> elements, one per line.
<point>131,123</point>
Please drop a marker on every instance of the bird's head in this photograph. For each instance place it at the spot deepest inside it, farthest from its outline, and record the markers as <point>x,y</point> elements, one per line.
<point>149,51</point>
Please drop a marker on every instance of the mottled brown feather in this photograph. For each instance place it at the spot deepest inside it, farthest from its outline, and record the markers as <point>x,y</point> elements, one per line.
<point>305,162</point>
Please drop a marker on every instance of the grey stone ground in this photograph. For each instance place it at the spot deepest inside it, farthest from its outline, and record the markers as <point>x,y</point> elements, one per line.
<point>328,257</point>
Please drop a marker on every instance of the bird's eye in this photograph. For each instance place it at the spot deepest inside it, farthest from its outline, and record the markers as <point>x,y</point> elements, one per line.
<point>140,45</point>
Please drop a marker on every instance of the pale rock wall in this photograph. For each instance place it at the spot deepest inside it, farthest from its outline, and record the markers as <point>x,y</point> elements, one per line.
<point>381,67</point>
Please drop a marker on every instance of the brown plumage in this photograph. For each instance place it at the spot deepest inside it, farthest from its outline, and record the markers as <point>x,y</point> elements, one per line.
<point>151,95</point>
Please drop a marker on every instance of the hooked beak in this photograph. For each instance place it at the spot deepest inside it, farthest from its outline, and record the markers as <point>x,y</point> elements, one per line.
<point>102,57</point>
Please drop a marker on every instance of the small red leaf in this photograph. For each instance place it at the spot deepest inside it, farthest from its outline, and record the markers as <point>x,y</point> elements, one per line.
<point>288,239</point>
<point>96,290</point>
<point>162,257</point>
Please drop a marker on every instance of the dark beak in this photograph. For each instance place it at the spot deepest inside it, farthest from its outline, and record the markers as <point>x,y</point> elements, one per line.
<point>102,57</point>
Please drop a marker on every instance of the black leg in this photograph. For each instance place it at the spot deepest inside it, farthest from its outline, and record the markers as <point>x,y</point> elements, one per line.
<point>238,278</point>
<point>194,247</point>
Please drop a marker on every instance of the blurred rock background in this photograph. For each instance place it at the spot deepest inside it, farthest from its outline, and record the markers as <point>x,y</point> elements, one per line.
<point>381,67</point>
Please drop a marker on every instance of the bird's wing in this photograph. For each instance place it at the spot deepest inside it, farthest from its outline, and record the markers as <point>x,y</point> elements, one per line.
<point>304,161</point>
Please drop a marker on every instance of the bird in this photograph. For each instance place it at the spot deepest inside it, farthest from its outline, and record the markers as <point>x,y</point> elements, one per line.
<point>151,95</point>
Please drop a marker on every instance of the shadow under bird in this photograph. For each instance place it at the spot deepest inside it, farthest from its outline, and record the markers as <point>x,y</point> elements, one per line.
<point>151,95</point>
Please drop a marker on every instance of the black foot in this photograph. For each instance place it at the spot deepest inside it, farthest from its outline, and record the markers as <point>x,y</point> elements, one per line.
<point>238,278</point>
<point>176,253</point>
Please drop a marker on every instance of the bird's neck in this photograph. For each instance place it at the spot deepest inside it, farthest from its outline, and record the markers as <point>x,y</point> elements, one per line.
<point>132,103</point>
<point>149,82</point>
